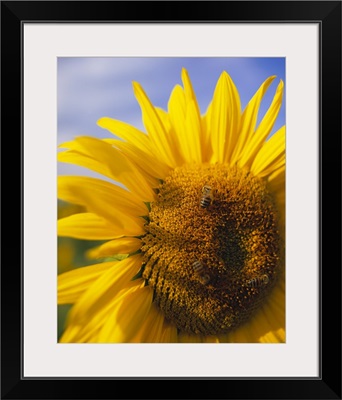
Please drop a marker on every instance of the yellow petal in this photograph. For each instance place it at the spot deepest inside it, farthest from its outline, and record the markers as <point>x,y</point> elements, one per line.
<point>86,226</point>
<point>277,336</point>
<point>70,334</point>
<point>92,227</point>
<point>114,164</point>
<point>99,197</point>
<point>127,317</point>
<point>268,324</point>
<point>72,284</point>
<point>151,166</point>
<point>177,113</point>
<point>65,209</point>
<point>239,335</point>
<point>211,339</point>
<point>249,120</point>
<point>207,150</point>
<point>193,120</point>
<point>186,122</point>
<point>125,245</point>
<point>192,134</point>
<point>72,145</point>
<point>156,130</point>
<point>169,333</point>
<point>177,108</point>
<point>189,91</point>
<point>184,337</point>
<point>103,291</point>
<point>155,329</point>
<point>255,142</point>
<point>127,132</point>
<point>271,155</point>
<point>276,179</point>
<point>77,158</point>
<point>151,328</point>
<point>171,137</point>
<point>89,331</point>
<point>276,184</point>
<point>225,118</point>
<point>66,252</point>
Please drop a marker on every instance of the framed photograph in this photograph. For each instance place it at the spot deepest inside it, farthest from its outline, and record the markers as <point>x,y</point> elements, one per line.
<point>171,199</point>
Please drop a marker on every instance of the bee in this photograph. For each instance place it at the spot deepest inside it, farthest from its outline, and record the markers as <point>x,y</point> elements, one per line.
<point>207,197</point>
<point>258,281</point>
<point>199,271</point>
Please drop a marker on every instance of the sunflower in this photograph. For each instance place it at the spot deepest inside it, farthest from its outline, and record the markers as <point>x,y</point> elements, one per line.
<point>191,219</point>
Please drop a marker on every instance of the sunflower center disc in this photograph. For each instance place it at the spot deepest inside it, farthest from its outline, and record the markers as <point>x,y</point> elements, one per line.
<point>212,247</point>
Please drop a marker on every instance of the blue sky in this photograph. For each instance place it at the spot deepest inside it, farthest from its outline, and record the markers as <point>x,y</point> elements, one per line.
<point>89,88</point>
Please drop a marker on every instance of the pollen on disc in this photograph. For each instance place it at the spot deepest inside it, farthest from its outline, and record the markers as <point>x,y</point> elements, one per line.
<point>212,262</point>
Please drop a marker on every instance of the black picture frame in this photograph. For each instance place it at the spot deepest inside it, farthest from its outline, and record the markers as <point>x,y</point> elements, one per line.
<point>328,384</point>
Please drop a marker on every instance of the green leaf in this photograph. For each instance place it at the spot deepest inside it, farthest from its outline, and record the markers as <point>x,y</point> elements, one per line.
<point>139,274</point>
<point>148,205</point>
<point>117,257</point>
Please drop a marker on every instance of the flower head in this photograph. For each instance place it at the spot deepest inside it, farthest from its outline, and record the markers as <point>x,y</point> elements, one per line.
<point>193,238</point>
